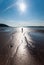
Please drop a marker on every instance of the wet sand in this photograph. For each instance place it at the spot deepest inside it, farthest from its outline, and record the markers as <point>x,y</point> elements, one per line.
<point>17,48</point>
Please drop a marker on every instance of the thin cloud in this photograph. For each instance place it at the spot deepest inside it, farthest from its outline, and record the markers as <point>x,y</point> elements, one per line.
<point>9,7</point>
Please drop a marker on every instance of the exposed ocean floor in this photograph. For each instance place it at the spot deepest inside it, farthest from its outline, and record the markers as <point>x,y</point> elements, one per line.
<point>21,46</point>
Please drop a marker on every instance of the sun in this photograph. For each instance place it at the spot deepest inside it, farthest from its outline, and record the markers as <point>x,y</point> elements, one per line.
<point>22,7</point>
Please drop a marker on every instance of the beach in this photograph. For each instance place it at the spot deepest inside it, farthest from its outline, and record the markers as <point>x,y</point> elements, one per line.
<point>21,46</point>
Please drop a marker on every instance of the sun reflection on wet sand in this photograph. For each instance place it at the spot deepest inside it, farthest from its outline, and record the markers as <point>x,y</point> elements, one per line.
<point>17,50</point>
<point>23,56</point>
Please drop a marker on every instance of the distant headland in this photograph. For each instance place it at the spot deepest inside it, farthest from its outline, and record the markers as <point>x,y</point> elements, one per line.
<point>3,25</point>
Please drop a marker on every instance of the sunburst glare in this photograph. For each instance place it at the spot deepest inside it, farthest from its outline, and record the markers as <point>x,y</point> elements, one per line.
<point>21,6</point>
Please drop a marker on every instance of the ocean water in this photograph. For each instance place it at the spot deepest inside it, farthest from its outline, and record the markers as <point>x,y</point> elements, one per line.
<point>19,28</point>
<point>36,33</point>
<point>35,38</point>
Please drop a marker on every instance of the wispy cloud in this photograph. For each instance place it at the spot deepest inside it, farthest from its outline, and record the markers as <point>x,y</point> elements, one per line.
<point>8,7</point>
<point>13,4</point>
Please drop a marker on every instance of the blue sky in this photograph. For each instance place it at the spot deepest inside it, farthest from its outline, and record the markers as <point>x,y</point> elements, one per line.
<point>31,13</point>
